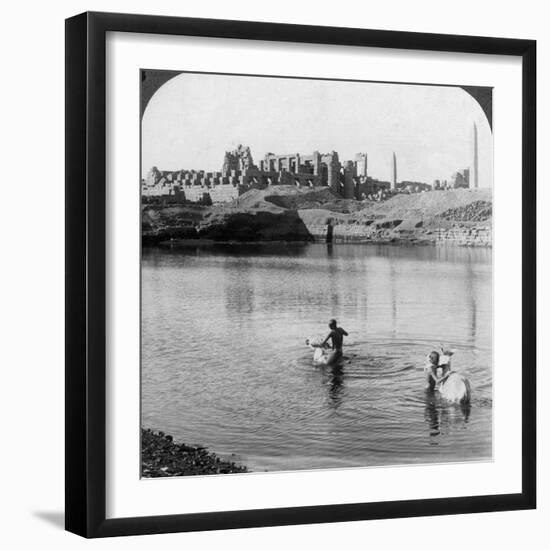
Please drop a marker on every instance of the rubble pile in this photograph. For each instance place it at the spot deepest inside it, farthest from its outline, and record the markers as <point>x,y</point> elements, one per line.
<point>477,211</point>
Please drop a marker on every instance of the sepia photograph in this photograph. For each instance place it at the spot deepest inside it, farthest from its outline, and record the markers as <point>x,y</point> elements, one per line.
<point>316,274</point>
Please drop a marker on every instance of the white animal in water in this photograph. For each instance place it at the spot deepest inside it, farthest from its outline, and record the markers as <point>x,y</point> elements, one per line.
<point>322,354</point>
<point>454,387</point>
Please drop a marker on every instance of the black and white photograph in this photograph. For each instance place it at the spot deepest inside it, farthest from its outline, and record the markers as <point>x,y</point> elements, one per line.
<point>274,275</point>
<point>316,274</point>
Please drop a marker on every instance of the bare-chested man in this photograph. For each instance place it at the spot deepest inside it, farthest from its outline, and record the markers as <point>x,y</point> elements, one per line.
<point>336,336</point>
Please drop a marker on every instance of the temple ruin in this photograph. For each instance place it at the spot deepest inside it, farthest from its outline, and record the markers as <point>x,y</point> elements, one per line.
<point>349,179</point>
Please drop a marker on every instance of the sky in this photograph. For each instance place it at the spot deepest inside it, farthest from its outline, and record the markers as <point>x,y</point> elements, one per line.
<point>192,119</point>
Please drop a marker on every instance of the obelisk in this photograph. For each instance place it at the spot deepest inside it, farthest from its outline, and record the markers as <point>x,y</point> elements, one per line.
<point>475,170</point>
<point>394,173</point>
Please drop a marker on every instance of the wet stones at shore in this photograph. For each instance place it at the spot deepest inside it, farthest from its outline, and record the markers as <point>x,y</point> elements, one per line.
<point>161,457</point>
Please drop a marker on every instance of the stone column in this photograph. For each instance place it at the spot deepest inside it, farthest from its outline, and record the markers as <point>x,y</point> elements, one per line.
<point>316,163</point>
<point>349,184</point>
<point>475,167</point>
<point>333,172</point>
<point>362,164</point>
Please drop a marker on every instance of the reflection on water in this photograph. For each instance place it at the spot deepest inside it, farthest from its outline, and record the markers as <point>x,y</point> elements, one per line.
<point>334,379</point>
<point>440,417</point>
<point>224,362</point>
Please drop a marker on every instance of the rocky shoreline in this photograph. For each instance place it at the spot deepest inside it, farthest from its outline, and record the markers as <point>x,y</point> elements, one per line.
<point>161,457</point>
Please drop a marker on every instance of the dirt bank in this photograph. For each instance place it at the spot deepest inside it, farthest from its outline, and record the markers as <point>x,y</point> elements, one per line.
<point>460,216</point>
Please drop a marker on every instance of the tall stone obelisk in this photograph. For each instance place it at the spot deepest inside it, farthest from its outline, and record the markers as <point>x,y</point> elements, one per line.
<point>394,173</point>
<point>475,166</point>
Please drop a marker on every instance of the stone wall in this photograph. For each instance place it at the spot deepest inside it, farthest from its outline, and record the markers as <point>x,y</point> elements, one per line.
<point>376,233</point>
<point>354,233</point>
<point>220,193</point>
<point>342,232</point>
<point>464,236</point>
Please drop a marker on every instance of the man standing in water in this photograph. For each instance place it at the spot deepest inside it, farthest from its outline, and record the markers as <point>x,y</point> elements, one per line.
<point>336,335</point>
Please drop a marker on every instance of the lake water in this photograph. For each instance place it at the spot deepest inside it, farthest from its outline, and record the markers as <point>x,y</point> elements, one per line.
<point>225,365</point>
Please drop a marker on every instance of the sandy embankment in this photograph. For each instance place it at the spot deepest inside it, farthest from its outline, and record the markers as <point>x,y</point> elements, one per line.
<point>461,216</point>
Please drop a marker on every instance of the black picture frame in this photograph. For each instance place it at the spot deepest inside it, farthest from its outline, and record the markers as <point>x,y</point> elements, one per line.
<point>86,273</point>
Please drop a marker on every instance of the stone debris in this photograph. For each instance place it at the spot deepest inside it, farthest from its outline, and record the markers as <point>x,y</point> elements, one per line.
<point>477,211</point>
<point>161,457</point>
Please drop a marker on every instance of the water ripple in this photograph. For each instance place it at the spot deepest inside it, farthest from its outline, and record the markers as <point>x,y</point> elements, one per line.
<point>224,362</point>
